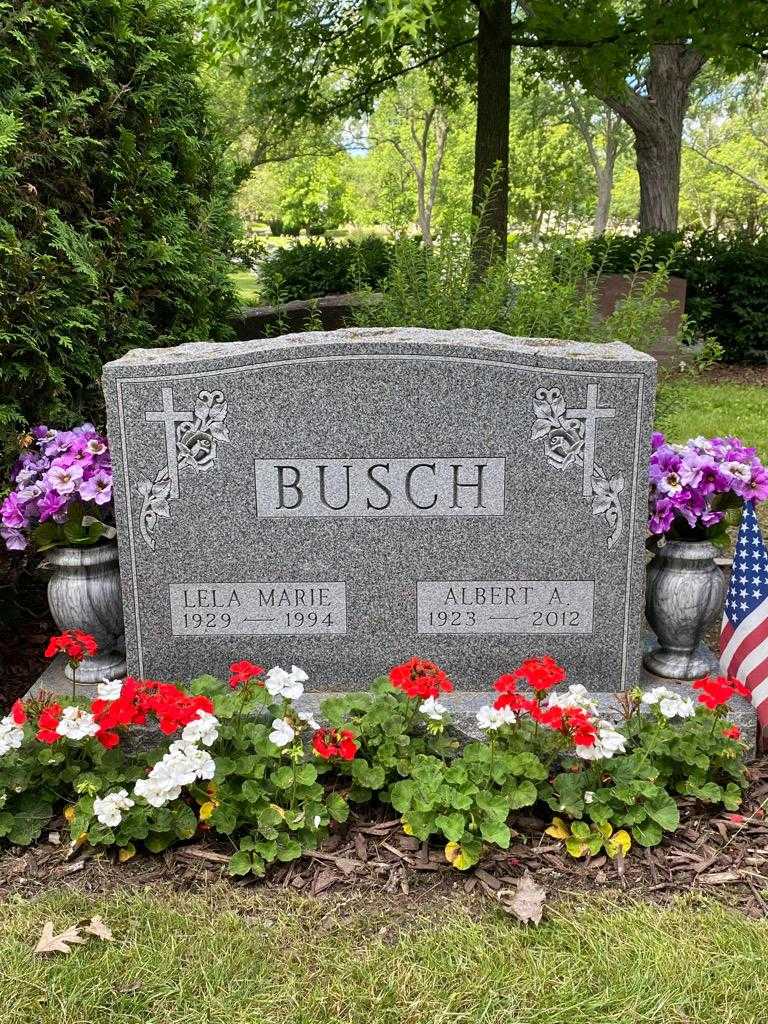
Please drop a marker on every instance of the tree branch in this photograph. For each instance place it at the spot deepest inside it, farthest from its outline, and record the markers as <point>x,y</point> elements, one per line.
<point>726,167</point>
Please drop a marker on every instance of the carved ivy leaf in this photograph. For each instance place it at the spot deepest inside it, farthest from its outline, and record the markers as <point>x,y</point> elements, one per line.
<point>161,508</point>
<point>145,487</point>
<point>161,489</point>
<point>219,431</point>
<point>544,411</point>
<point>601,503</point>
<point>558,405</point>
<point>218,411</point>
<point>540,429</point>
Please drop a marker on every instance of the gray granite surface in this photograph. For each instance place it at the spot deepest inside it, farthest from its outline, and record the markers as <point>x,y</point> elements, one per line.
<point>345,500</point>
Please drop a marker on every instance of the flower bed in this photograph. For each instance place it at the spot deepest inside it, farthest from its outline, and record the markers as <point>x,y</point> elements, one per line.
<point>243,760</point>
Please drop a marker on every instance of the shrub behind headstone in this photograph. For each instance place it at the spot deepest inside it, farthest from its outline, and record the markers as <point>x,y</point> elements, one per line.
<point>114,199</point>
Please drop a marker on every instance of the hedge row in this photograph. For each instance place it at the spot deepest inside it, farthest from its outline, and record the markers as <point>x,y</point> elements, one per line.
<point>727,282</point>
<point>114,200</point>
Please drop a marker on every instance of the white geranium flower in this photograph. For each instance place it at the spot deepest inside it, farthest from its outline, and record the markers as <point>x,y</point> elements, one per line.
<point>108,809</point>
<point>677,707</point>
<point>657,694</point>
<point>309,719</point>
<point>109,689</point>
<point>183,764</point>
<point>669,703</point>
<point>282,732</point>
<point>489,718</point>
<point>203,729</point>
<point>589,796</point>
<point>289,685</point>
<point>316,820</point>
<point>609,742</point>
<point>11,735</point>
<point>155,792</point>
<point>76,724</point>
<point>576,696</point>
<point>433,709</point>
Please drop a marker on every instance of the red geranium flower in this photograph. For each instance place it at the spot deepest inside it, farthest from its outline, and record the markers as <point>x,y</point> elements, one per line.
<point>74,643</point>
<point>517,702</point>
<point>18,714</point>
<point>242,672</point>
<point>506,683</point>
<point>46,724</point>
<point>540,673</point>
<point>139,697</point>
<point>420,678</point>
<point>716,691</point>
<point>107,739</point>
<point>733,732</point>
<point>335,743</point>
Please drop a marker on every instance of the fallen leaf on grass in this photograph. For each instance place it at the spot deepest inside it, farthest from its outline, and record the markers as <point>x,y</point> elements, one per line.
<point>97,927</point>
<point>526,902</point>
<point>50,943</point>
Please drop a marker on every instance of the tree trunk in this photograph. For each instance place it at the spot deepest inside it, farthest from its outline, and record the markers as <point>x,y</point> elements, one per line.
<point>656,119</point>
<point>604,196</point>
<point>490,192</point>
<point>658,154</point>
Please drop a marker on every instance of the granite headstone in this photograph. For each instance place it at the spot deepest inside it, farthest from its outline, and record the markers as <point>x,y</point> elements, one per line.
<point>345,500</point>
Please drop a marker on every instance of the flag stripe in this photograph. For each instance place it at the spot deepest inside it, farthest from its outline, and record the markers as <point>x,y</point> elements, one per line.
<point>754,619</point>
<point>750,642</point>
<point>752,661</point>
<point>760,690</point>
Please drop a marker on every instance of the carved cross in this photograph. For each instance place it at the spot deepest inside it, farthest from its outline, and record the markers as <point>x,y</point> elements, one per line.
<point>170,417</point>
<point>590,415</point>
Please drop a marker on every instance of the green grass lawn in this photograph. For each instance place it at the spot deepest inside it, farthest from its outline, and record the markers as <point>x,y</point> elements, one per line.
<point>690,406</point>
<point>247,286</point>
<point>229,956</point>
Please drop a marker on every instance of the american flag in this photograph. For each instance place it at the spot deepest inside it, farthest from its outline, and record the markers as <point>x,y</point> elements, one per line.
<point>744,636</point>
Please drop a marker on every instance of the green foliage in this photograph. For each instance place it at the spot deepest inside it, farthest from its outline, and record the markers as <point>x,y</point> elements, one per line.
<point>312,268</point>
<point>693,757</point>
<point>544,291</point>
<point>728,288</point>
<point>727,297</point>
<point>114,199</point>
<point>389,732</point>
<point>469,801</point>
<point>274,798</point>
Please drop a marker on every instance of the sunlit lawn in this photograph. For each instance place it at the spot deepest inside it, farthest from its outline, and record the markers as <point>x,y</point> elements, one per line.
<point>228,956</point>
<point>691,406</point>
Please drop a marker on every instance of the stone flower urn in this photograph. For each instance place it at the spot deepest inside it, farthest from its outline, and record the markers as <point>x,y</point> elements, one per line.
<point>684,596</point>
<point>84,593</point>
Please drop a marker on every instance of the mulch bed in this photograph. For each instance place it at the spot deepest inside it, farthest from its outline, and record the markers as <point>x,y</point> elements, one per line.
<point>720,855</point>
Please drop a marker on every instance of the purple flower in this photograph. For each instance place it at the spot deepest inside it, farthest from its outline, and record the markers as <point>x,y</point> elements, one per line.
<point>95,446</point>
<point>64,479</point>
<point>14,539</point>
<point>12,512</point>
<point>47,477</point>
<point>657,440</point>
<point>686,479</point>
<point>52,505</point>
<point>97,488</point>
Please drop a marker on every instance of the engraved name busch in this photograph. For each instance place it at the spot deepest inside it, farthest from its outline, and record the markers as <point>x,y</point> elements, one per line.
<point>505,606</point>
<point>292,488</point>
<point>258,609</point>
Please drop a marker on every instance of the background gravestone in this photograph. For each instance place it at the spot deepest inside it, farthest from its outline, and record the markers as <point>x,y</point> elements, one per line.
<point>344,501</point>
